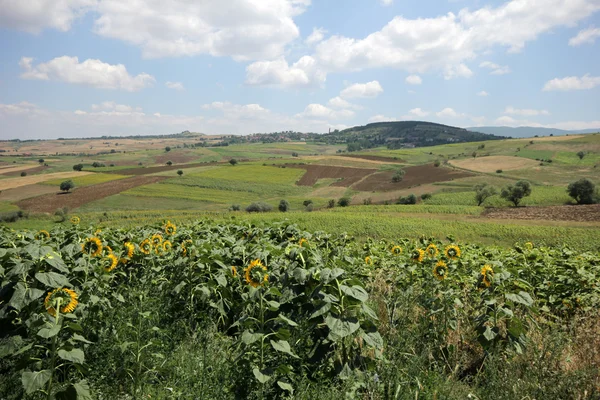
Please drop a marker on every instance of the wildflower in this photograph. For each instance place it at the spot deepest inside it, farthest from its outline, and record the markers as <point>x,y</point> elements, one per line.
<point>157,239</point>
<point>432,250</point>
<point>396,250</point>
<point>253,278</point>
<point>92,246</point>
<point>440,270</point>
<point>110,262</point>
<point>170,229</point>
<point>417,255</point>
<point>129,249</point>
<point>452,252</point>
<point>75,220</point>
<point>66,296</point>
<point>146,246</point>
<point>42,235</point>
<point>487,272</point>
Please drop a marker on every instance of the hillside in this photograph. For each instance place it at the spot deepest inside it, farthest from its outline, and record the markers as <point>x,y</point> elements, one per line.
<point>528,131</point>
<point>402,134</point>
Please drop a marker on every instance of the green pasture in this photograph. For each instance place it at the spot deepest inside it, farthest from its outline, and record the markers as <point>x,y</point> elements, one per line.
<point>86,180</point>
<point>254,173</point>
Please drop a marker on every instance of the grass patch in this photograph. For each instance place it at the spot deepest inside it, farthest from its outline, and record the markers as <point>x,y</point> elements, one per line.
<point>254,173</point>
<point>5,206</point>
<point>540,196</point>
<point>87,180</point>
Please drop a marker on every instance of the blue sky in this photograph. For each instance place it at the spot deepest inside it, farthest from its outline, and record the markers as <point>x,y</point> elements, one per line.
<point>75,68</point>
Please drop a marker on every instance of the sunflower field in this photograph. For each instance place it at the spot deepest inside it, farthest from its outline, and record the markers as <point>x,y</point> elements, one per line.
<point>226,311</point>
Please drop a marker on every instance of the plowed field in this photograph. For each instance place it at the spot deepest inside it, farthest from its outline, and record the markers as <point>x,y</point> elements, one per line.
<point>589,213</point>
<point>418,175</point>
<point>153,170</point>
<point>347,175</point>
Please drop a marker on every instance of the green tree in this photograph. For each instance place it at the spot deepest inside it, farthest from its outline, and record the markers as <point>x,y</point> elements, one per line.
<point>233,161</point>
<point>167,149</point>
<point>169,163</point>
<point>180,172</point>
<point>41,160</point>
<point>581,154</point>
<point>398,176</point>
<point>77,167</point>
<point>284,206</point>
<point>65,186</point>
<point>583,191</point>
<point>306,203</point>
<point>515,193</point>
<point>23,173</point>
<point>344,202</point>
<point>483,192</point>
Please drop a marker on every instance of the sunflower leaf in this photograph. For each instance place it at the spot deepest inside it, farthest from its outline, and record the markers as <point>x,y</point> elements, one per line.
<point>286,320</point>
<point>52,279</point>
<point>34,381</point>
<point>286,386</point>
<point>339,329</point>
<point>356,292</point>
<point>283,346</point>
<point>75,355</point>
<point>249,337</point>
<point>260,375</point>
<point>49,330</point>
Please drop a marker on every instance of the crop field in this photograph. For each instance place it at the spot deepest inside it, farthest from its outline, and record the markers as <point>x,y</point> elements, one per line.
<point>87,180</point>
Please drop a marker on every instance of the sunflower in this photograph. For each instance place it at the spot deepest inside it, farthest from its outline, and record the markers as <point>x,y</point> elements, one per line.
<point>98,232</point>
<point>75,220</point>
<point>368,260</point>
<point>432,250</point>
<point>170,229</point>
<point>167,246</point>
<point>184,248</point>
<point>234,271</point>
<point>146,246</point>
<point>123,261</point>
<point>61,296</point>
<point>253,278</point>
<point>417,255</point>
<point>452,252</point>
<point>92,246</point>
<point>110,262</point>
<point>302,241</point>
<point>108,249</point>
<point>157,239</point>
<point>529,245</point>
<point>440,270</point>
<point>129,249</point>
<point>396,250</point>
<point>487,272</point>
<point>41,235</point>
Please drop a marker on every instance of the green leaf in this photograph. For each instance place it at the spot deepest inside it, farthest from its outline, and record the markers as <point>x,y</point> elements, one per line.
<point>34,381</point>
<point>273,305</point>
<point>300,274</point>
<point>283,346</point>
<point>323,310</point>
<point>283,334</point>
<point>489,334</point>
<point>75,355</point>
<point>53,259</point>
<point>521,298</point>
<point>80,338</point>
<point>340,328</point>
<point>52,279</point>
<point>17,300</point>
<point>221,280</point>
<point>49,330</point>
<point>286,320</point>
<point>249,337</point>
<point>260,376</point>
<point>373,339</point>
<point>77,391</point>
<point>356,292</point>
<point>180,286</point>
<point>11,345</point>
<point>369,311</point>
<point>286,386</point>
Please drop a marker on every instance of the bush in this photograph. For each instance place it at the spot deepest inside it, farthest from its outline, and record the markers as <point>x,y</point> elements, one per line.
<point>179,172</point>
<point>284,206</point>
<point>583,191</point>
<point>235,207</point>
<point>410,199</point>
<point>309,207</point>
<point>307,203</point>
<point>581,154</point>
<point>259,207</point>
<point>483,192</point>
<point>233,161</point>
<point>169,163</point>
<point>62,213</point>
<point>516,193</point>
<point>167,149</point>
<point>398,176</point>
<point>426,196</point>
<point>295,154</point>
<point>65,186</point>
<point>367,201</point>
<point>436,163</point>
<point>23,173</point>
<point>331,203</point>
<point>12,216</point>
<point>344,202</point>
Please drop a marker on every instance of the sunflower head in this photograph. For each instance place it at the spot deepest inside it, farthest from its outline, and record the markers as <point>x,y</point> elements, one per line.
<point>108,249</point>
<point>42,235</point>
<point>417,255</point>
<point>170,229</point>
<point>452,252</point>
<point>487,274</point>
<point>529,246</point>
<point>368,260</point>
<point>302,241</point>
<point>75,220</point>
<point>440,271</point>
<point>167,246</point>
<point>98,232</point>
<point>62,298</point>
<point>146,246</point>
<point>396,250</point>
<point>110,262</point>
<point>432,250</point>
<point>129,249</point>
<point>256,274</point>
<point>157,239</point>
<point>92,246</point>
<point>234,271</point>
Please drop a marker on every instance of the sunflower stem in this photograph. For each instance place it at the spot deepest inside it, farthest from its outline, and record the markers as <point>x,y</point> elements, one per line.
<point>53,359</point>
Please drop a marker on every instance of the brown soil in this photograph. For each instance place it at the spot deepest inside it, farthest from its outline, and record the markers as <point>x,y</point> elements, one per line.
<point>153,170</point>
<point>28,171</point>
<point>25,192</point>
<point>176,157</point>
<point>414,176</point>
<point>494,163</point>
<point>84,195</point>
<point>385,160</point>
<point>589,213</point>
<point>348,176</point>
<point>10,183</point>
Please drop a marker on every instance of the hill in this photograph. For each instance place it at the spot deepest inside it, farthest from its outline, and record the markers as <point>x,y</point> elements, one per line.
<point>402,134</point>
<point>528,131</point>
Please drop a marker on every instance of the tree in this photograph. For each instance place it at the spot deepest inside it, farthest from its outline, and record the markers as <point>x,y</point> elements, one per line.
<point>77,167</point>
<point>284,206</point>
<point>306,203</point>
<point>41,160</point>
<point>233,161</point>
<point>23,173</point>
<point>581,154</point>
<point>167,149</point>
<point>474,154</point>
<point>483,192</point>
<point>65,186</point>
<point>410,199</point>
<point>169,163</point>
<point>583,191</point>
<point>180,172</point>
<point>516,193</point>
<point>398,176</point>
<point>344,202</point>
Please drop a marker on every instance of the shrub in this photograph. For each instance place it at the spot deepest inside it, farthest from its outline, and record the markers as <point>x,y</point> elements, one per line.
<point>62,213</point>
<point>307,203</point>
<point>233,161</point>
<point>583,191</point>
<point>367,201</point>
<point>65,186</point>
<point>398,176</point>
<point>167,149</point>
<point>410,199</point>
<point>474,154</point>
<point>436,163</point>
<point>12,216</point>
<point>23,173</point>
<point>284,206</point>
<point>516,193</point>
<point>294,154</point>
<point>112,165</point>
<point>483,192</point>
<point>426,196</point>
<point>581,154</point>
<point>41,160</point>
<point>309,207</point>
<point>235,207</point>
<point>97,164</point>
<point>498,171</point>
<point>180,172</point>
<point>259,207</point>
<point>344,202</point>
<point>331,203</point>
<point>169,163</point>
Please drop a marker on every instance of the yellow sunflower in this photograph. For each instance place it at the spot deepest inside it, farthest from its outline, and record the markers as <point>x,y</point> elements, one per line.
<point>452,252</point>
<point>75,220</point>
<point>487,273</point>
<point>368,260</point>
<point>432,250</point>
<point>396,250</point>
<point>440,270</point>
<point>529,245</point>
<point>129,249</point>
<point>92,246</point>
<point>123,261</point>
<point>98,232</point>
<point>157,239</point>
<point>183,246</point>
<point>61,296</point>
<point>170,229</point>
<point>417,255</point>
<point>167,246</point>
<point>110,262</point>
<point>108,249</point>
<point>146,246</point>
<point>302,241</point>
<point>234,271</point>
<point>41,235</point>
<point>254,278</point>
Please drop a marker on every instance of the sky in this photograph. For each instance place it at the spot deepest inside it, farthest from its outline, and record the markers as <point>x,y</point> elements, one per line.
<point>86,68</point>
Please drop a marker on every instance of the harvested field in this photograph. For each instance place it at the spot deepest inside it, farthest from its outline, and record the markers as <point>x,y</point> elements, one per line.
<point>418,175</point>
<point>587,213</point>
<point>29,170</point>
<point>25,192</point>
<point>30,180</point>
<point>348,175</point>
<point>153,170</point>
<point>81,196</point>
<point>176,157</point>
<point>379,159</point>
<point>493,163</point>
<point>8,168</point>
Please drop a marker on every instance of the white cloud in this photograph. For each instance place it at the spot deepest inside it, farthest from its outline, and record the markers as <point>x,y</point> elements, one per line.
<point>381,118</point>
<point>483,93</point>
<point>338,102</point>
<point>419,112</point>
<point>174,85</point>
<point>566,125</point>
<point>238,112</point>
<point>525,112</point>
<point>449,113</point>
<point>91,72</point>
<point>304,73</point>
<point>587,36</point>
<point>22,108</point>
<point>386,2</point>
<point>362,90</point>
<point>572,83</point>
<point>33,16</point>
<point>457,71</point>
<point>495,68</point>
<point>323,112</point>
<point>316,36</point>
<point>414,80</point>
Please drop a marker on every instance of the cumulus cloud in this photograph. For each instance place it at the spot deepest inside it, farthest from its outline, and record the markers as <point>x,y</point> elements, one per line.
<point>278,73</point>
<point>362,90</point>
<point>174,85</point>
<point>449,113</point>
<point>414,80</point>
<point>316,36</point>
<point>338,102</point>
<point>419,112</point>
<point>586,36</point>
<point>323,112</point>
<point>457,71</point>
<point>572,83</point>
<point>525,112</point>
<point>381,118</point>
<point>91,72</point>
<point>33,16</point>
<point>495,69</point>
<point>386,2</point>
<point>483,93</point>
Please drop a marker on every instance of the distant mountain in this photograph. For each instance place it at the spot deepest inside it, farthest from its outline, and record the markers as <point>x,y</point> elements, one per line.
<point>402,134</point>
<point>527,131</point>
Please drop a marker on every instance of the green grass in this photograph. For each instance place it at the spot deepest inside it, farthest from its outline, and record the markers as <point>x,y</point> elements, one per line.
<point>124,202</point>
<point>254,173</point>
<point>86,180</point>
<point>193,193</point>
<point>5,206</point>
<point>262,189</point>
<point>540,196</point>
